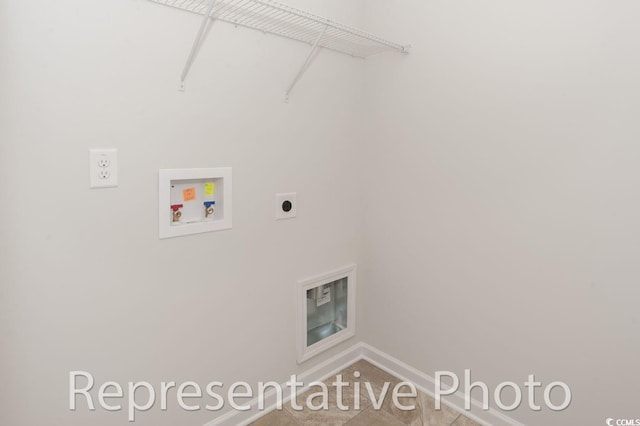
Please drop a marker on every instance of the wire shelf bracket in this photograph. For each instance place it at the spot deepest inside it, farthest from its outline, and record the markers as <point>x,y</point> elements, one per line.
<point>305,64</point>
<point>196,44</point>
<point>275,18</point>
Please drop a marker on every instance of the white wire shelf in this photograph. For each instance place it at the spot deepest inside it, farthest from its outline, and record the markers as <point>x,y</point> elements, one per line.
<point>276,18</point>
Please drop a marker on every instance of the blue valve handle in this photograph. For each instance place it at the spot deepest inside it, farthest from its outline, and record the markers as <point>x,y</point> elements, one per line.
<point>208,204</point>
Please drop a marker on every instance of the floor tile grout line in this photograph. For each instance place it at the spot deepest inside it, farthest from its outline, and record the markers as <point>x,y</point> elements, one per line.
<point>296,421</point>
<point>356,416</point>
<point>455,420</point>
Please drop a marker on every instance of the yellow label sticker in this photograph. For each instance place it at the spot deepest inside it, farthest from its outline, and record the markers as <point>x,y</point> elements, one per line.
<point>209,188</point>
<point>189,194</point>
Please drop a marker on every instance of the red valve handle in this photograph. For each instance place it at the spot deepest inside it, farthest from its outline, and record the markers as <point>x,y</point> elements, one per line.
<point>176,207</point>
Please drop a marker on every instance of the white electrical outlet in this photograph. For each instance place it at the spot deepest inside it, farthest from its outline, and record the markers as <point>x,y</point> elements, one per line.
<point>103,168</point>
<point>286,206</point>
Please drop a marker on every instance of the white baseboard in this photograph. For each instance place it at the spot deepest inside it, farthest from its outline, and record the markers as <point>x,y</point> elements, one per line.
<point>320,372</point>
<point>426,384</point>
<point>382,360</point>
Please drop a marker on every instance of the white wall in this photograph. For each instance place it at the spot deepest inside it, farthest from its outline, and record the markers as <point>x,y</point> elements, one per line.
<point>501,196</point>
<point>85,282</point>
<point>506,144</point>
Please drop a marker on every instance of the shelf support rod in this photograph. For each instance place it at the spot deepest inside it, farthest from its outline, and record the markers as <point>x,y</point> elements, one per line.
<point>306,63</point>
<point>196,44</point>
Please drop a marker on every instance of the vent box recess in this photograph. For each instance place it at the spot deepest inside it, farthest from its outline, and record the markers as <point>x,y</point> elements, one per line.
<point>192,201</point>
<point>326,311</point>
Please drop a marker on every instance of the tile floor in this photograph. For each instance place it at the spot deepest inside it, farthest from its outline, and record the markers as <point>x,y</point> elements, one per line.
<point>366,414</point>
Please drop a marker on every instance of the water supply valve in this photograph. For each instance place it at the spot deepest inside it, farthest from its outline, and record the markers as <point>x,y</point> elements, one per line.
<point>177,214</point>
<point>209,210</point>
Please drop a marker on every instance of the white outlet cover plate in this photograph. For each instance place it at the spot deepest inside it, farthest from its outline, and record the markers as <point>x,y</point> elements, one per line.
<point>103,168</point>
<point>280,199</point>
